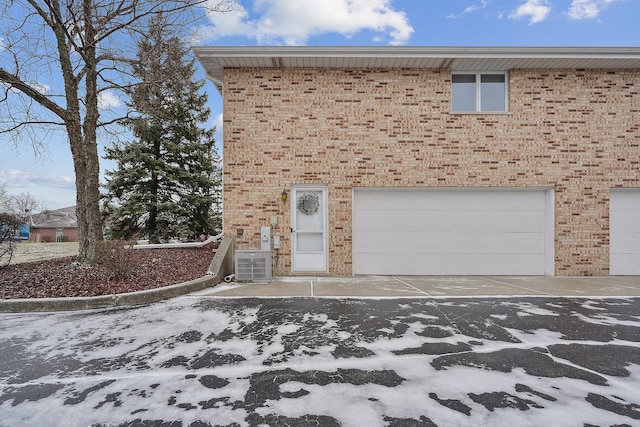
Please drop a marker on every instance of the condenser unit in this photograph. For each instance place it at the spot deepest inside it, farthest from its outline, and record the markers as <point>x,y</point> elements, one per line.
<point>253,265</point>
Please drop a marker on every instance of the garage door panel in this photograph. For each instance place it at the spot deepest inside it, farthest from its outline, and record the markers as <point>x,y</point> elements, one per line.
<point>453,264</point>
<point>623,222</point>
<point>624,249</point>
<point>452,231</point>
<point>626,199</point>
<point>625,243</point>
<point>460,200</point>
<point>625,264</point>
<point>467,243</point>
<point>453,221</point>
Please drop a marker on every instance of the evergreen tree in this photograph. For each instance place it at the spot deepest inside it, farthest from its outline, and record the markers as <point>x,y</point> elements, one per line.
<point>167,178</point>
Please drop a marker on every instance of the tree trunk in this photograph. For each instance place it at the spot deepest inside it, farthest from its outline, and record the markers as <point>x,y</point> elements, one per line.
<point>87,171</point>
<point>76,142</point>
<point>86,161</point>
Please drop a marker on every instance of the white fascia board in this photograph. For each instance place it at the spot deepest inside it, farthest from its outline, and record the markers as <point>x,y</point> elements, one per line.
<point>416,52</point>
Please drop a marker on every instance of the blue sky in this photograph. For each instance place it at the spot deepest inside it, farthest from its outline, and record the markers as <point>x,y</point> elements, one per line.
<point>50,177</point>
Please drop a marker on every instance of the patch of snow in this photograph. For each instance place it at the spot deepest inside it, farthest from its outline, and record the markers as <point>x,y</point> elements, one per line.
<point>128,349</point>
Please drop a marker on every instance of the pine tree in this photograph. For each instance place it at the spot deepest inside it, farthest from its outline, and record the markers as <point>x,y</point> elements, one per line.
<point>167,178</point>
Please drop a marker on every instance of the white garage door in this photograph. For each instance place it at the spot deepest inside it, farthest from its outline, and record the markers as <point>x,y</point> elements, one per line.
<point>624,217</point>
<point>453,232</point>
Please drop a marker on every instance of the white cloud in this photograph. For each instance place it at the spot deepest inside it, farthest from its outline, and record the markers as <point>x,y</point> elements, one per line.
<point>15,178</point>
<point>41,87</point>
<point>219,124</point>
<point>108,100</point>
<point>470,9</point>
<point>294,22</point>
<point>536,10</point>
<point>587,9</point>
<point>483,4</point>
<point>54,191</point>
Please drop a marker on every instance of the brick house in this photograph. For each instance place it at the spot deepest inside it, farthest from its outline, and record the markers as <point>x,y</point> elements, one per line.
<point>59,225</point>
<point>423,160</point>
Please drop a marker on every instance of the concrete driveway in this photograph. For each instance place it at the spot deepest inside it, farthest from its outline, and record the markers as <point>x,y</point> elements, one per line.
<point>211,361</point>
<point>433,286</point>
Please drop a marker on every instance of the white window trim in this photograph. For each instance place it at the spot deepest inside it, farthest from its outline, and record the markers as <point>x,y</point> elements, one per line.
<point>478,75</point>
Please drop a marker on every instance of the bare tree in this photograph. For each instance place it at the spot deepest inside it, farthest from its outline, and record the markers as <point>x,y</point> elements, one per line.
<point>24,205</point>
<point>60,60</point>
<point>9,228</point>
<point>4,198</point>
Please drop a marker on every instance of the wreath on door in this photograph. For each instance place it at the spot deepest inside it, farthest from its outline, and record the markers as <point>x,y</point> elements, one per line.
<point>308,203</point>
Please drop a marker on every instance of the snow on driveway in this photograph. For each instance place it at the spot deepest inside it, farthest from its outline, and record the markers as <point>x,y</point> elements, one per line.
<point>197,361</point>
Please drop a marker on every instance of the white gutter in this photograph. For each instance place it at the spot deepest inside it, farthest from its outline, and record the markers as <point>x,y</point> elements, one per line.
<point>416,52</point>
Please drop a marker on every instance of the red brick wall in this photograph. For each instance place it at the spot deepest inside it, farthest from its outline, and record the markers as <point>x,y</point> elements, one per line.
<point>49,234</point>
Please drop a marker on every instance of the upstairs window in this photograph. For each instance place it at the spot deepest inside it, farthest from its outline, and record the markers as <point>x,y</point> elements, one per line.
<point>479,92</point>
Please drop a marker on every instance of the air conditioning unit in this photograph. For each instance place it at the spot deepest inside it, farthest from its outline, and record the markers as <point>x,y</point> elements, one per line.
<point>253,265</point>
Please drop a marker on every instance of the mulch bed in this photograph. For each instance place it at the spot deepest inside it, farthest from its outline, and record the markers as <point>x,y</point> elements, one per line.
<point>64,277</point>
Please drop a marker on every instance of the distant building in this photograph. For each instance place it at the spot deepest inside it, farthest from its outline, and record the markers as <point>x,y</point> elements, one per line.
<point>60,225</point>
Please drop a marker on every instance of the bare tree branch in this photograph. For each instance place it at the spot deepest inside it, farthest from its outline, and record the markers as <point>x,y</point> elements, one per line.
<point>14,82</point>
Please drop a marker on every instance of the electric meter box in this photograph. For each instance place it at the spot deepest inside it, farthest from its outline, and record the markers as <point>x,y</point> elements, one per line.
<point>265,238</point>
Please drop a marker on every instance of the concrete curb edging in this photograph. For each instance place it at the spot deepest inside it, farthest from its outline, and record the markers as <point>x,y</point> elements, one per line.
<point>179,245</point>
<point>220,267</point>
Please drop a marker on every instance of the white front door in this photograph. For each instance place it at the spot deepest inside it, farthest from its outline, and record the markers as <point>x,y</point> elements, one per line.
<point>309,228</point>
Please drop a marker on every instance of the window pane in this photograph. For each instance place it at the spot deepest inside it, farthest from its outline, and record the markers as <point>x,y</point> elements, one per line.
<point>309,242</point>
<point>492,78</point>
<point>463,92</point>
<point>309,211</point>
<point>463,78</point>
<point>492,92</point>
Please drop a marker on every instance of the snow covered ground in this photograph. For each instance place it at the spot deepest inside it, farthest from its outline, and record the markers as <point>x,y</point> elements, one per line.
<point>198,361</point>
<point>28,252</point>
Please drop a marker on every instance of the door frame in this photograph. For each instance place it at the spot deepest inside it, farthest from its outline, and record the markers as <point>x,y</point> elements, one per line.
<point>295,267</point>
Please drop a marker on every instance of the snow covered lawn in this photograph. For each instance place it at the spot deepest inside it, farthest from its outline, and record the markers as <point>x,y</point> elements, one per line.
<point>197,361</point>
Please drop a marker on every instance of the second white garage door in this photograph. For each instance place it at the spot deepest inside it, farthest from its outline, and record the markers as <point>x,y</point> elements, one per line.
<point>453,232</point>
<point>624,205</point>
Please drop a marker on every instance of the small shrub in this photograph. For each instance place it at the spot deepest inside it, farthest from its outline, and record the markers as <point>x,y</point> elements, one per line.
<point>117,257</point>
<point>9,226</point>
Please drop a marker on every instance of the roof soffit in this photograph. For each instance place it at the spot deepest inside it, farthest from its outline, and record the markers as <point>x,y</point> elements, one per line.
<point>216,58</point>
